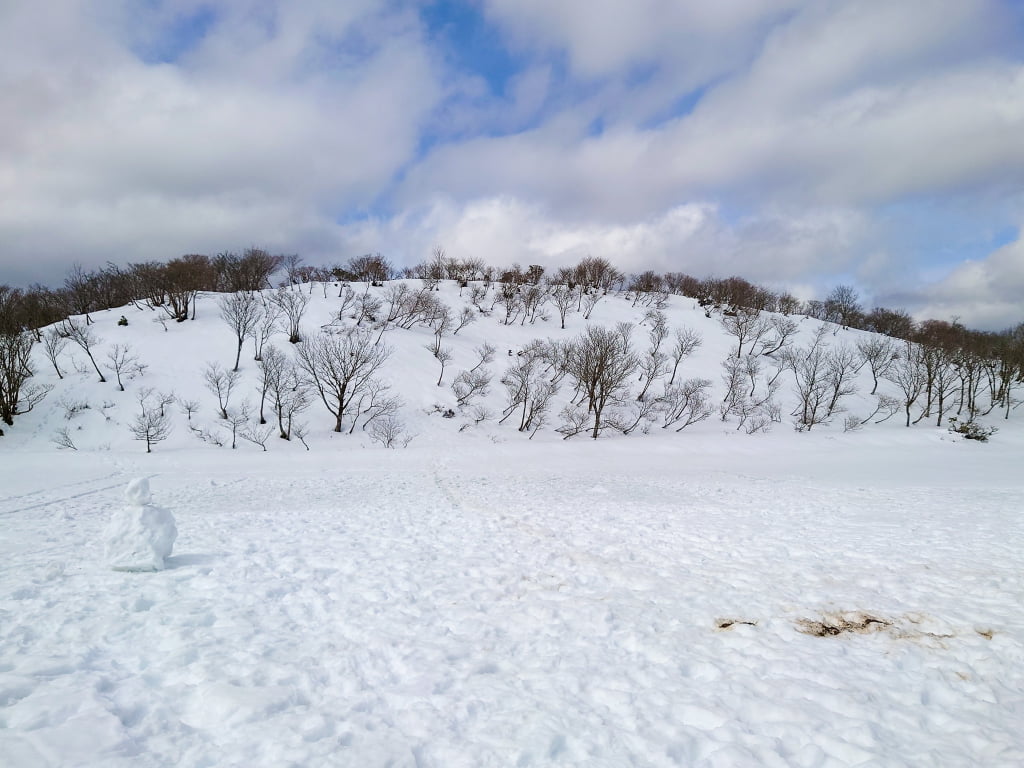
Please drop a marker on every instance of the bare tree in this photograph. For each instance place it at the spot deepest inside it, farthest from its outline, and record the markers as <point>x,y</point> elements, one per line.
<point>293,306</point>
<point>686,403</point>
<point>390,432</point>
<point>591,300</point>
<point>654,364</point>
<point>685,342</point>
<point>734,378</point>
<point>62,439</point>
<point>341,367</point>
<point>601,360</point>
<point>188,407</point>
<point>124,362</point>
<point>528,388</point>
<point>237,419</point>
<point>242,312</point>
<point>270,314</point>
<point>443,355</point>
<point>83,336</point>
<point>878,352</point>
<point>842,306</point>
<point>785,329</point>
<point>809,367</point>
<point>746,325</point>
<point>287,391</point>
<point>368,307</point>
<point>466,317</point>
<point>152,425</point>
<point>54,343</point>
<point>221,383</point>
<point>17,395</point>
<point>841,368</point>
<point>563,297</point>
<point>257,435</point>
<point>908,374</point>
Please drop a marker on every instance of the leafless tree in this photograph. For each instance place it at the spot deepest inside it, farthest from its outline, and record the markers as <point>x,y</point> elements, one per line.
<point>293,307</point>
<point>842,306</point>
<point>375,402</point>
<point>485,353</point>
<point>243,313</point>
<point>124,362</point>
<point>471,384</point>
<point>590,301</point>
<point>54,343</point>
<point>528,388</point>
<point>222,383</point>
<point>390,432</point>
<point>734,378</point>
<point>908,374</point>
<point>563,297</point>
<point>371,268</point>
<point>238,419</point>
<point>477,297</point>
<point>17,395</point>
<point>340,367</point>
<point>878,352</point>
<point>188,407</point>
<point>532,298</point>
<point>809,367</point>
<point>746,325</point>
<point>85,339</point>
<point>152,425</point>
<point>368,307</point>
<point>256,434</point>
<point>267,326</point>
<point>287,391</point>
<point>62,439</point>
<point>785,329</point>
<point>466,317</point>
<point>601,360</point>
<point>654,364</point>
<point>443,355</point>
<point>685,342</point>
<point>686,403</point>
<point>841,368</point>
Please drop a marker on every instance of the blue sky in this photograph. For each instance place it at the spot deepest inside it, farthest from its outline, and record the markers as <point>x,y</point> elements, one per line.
<point>795,143</point>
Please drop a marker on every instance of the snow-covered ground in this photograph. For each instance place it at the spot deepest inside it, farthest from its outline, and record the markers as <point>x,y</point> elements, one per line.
<point>481,599</point>
<point>581,604</point>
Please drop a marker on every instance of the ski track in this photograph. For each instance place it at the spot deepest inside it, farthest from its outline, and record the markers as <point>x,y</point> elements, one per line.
<point>442,617</point>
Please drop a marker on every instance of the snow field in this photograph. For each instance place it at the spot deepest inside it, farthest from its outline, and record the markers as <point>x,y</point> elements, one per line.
<point>542,607</point>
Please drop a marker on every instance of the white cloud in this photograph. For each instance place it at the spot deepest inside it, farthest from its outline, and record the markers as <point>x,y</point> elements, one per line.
<point>252,138</point>
<point>984,294</point>
<point>286,118</point>
<point>692,238</point>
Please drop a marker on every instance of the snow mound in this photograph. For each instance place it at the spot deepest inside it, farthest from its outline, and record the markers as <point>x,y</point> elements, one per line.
<point>141,535</point>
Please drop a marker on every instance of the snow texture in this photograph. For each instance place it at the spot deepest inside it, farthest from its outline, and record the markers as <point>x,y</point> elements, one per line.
<point>579,608</point>
<point>139,536</point>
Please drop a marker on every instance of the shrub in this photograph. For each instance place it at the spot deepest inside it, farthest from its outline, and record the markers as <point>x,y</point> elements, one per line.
<point>972,430</point>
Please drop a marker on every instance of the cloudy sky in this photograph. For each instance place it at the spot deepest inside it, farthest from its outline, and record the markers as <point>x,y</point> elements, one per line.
<point>797,143</point>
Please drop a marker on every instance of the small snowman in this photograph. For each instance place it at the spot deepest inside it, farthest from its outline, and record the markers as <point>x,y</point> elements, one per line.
<point>141,535</point>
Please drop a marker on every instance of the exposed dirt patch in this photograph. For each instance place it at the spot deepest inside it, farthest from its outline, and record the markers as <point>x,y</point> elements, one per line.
<point>908,627</point>
<point>832,624</point>
<point>722,624</point>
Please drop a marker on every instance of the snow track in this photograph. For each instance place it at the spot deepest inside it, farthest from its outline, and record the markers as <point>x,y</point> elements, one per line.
<point>435,615</point>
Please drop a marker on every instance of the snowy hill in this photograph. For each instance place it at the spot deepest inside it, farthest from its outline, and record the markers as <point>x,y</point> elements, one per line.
<point>174,358</point>
<point>488,596</point>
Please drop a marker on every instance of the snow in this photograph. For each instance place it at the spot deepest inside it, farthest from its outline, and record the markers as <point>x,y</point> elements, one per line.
<point>707,598</point>
<point>568,608</point>
<point>140,536</point>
